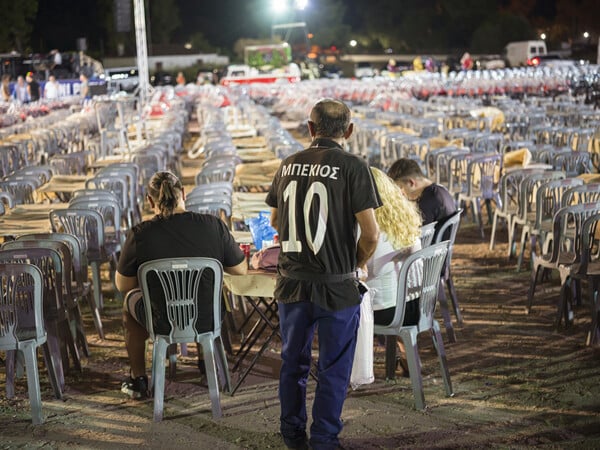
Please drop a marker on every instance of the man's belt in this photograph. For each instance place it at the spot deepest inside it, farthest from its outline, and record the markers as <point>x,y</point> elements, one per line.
<point>319,277</point>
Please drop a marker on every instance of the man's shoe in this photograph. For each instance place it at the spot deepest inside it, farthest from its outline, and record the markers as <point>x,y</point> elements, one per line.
<point>299,443</point>
<point>135,388</point>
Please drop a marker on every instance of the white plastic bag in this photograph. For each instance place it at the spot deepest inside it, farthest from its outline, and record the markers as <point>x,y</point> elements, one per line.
<point>362,367</point>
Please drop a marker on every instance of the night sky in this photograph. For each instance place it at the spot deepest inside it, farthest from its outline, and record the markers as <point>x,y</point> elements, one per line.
<point>60,22</point>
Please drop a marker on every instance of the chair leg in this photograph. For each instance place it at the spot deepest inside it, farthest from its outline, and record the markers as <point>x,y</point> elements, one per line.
<point>53,343</point>
<point>511,239</point>
<point>222,366</point>
<point>453,297</point>
<point>158,377</point>
<point>493,232</point>
<point>445,312</point>
<point>172,355</point>
<point>390,357</point>
<point>534,276</point>
<point>409,338</point>
<point>91,299</point>
<point>52,371</point>
<point>561,311</point>
<point>524,233</point>
<point>593,337</point>
<point>97,284</point>
<point>11,356</point>
<point>211,376</point>
<point>438,343</point>
<point>33,383</point>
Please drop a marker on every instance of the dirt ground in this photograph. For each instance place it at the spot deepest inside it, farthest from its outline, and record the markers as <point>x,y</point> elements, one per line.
<point>518,383</point>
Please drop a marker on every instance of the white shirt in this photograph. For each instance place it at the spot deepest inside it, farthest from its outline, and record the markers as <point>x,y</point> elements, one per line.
<point>384,268</point>
<point>51,90</point>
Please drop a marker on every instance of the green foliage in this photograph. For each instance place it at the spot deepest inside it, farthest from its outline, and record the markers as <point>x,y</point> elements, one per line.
<point>493,35</point>
<point>164,20</point>
<point>200,43</point>
<point>16,24</point>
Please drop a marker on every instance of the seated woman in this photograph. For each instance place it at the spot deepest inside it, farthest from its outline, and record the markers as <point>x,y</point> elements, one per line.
<point>172,233</point>
<point>399,223</point>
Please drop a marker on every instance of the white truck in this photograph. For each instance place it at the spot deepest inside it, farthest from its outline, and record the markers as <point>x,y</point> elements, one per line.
<point>522,53</point>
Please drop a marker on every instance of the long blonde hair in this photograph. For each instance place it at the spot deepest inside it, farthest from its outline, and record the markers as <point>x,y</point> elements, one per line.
<point>398,218</point>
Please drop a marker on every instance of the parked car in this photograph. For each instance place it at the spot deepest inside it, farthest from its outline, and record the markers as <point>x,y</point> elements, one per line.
<point>554,61</point>
<point>364,70</point>
<point>330,71</point>
<point>521,53</point>
<point>122,79</point>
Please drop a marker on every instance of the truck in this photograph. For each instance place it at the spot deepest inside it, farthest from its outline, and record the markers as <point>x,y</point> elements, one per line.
<point>269,63</point>
<point>522,53</point>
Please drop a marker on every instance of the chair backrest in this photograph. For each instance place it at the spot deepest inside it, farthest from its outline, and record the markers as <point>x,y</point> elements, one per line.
<point>182,281</point>
<point>86,224</point>
<point>572,163</point>
<point>432,258</point>
<point>7,200</point>
<point>427,234</point>
<point>482,172</point>
<point>20,304</point>
<point>66,272</point>
<point>509,188</point>
<point>109,209</point>
<point>21,190</point>
<point>77,252</point>
<point>584,193</point>
<point>219,187</point>
<point>549,198</point>
<point>50,263</point>
<point>567,231</point>
<point>589,243</point>
<point>447,232</point>
<point>528,190</point>
<point>211,175</point>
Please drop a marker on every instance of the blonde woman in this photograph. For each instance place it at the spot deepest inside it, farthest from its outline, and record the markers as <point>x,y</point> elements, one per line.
<point>399,223</point>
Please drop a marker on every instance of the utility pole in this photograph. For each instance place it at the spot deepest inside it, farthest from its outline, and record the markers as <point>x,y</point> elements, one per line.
<point>141,50</point>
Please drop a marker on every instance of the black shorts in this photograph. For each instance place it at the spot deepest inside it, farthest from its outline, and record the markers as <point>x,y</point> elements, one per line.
<point>411,314</point>
<point>135,306</point>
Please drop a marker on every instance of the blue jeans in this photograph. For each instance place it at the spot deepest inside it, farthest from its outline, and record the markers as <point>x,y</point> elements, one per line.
<point>337,342</point>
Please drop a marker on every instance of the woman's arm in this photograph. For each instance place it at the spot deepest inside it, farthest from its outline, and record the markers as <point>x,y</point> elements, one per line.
<point>125,284</point>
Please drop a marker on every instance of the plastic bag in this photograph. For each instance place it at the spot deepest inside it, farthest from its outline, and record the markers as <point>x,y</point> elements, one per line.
<point>261,229</point>
<point>362,367</point>
<point>266,259</point>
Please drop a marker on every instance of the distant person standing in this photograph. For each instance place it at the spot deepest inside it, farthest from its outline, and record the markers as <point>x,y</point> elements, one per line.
<point>20,91</point>
<point>51,88</point>
<point>318,198</point>
<point>6,94</point>
<point>85,87</point>
<point>466,62</point>
<point>33,87</point>
<point>180,80</point>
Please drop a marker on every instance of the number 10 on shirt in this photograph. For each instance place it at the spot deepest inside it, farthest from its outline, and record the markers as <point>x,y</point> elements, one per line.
<point>314,242</point>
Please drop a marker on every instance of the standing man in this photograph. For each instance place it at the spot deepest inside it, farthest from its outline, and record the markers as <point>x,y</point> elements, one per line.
<point>318,197</point>
<point>33,87</point>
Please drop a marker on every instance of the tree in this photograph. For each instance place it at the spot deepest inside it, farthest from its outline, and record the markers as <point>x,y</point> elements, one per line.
<point>493,35</point>
<point>164,20</point>
<point>16,24</point>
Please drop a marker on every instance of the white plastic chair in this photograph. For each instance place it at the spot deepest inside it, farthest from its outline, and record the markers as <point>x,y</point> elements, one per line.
<point>182,282</point>
<point>22,329</point>
<point>433,258</point>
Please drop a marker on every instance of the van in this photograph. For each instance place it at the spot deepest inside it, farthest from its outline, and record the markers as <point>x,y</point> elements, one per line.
<point>364,70</point>
<point>521,53</point>
<point>122,79</point>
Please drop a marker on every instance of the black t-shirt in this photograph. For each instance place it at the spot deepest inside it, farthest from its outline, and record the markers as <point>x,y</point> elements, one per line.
<point>34,89</point>
<point>317,192</point>
<point>436,204</point>
<point>186,234</point>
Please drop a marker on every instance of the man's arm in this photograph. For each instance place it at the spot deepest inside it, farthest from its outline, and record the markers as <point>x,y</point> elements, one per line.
<point>274,218</point>
<point>125,284</point>
<point>240,269</point>
<point>369,234</point>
